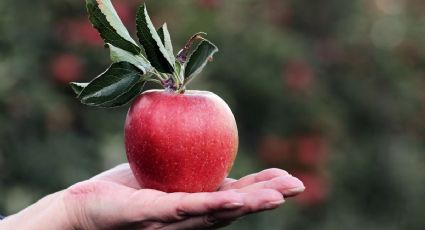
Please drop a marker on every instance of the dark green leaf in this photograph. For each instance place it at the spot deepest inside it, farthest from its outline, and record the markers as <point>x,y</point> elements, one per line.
<point>183,53</point>
<point>155,51</point>
<point>105,19</point>
<point>126,97</point>
<point>160,32</point>
<point>112,86</point>
<point>119,55</point>
<point>199,58</point>
<point>164,34</point>
<point>77,87</point>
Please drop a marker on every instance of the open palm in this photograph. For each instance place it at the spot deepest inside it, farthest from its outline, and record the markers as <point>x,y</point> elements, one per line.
<point>114,200</point>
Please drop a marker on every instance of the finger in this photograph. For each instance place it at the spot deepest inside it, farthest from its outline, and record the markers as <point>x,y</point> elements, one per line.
<point>257,201</point>
<point>120,174</point>
<point>199,222</point>
<point>254,178</point>
<point>178,206</point>
<point>228,181</point>
<point>287,185</point>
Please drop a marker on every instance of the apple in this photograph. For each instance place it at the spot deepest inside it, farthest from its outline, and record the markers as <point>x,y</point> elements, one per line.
<point>176,140</point>
<point>185,142</point>
<point>66,68</point>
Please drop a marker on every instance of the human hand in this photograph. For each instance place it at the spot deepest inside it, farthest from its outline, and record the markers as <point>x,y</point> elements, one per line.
<point>114,200</point>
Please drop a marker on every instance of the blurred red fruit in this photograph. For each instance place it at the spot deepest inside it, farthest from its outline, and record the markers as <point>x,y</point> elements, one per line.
<point>274,151</point>
<point>311,150</point>
<point>79,31</point>
<point>316,189</point>
<point>209,4</point>
<point>66,68</point>
<point>298,75</point>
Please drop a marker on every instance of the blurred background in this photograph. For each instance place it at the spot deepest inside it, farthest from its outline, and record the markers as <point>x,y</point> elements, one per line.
<point>330,90</point>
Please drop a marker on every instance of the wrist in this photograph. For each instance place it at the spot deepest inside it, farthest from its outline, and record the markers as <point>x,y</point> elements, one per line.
<point>49,213</point>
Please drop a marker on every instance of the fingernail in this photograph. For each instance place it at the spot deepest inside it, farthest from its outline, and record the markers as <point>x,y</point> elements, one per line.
<point>233,205</point>
<point>295,182</point>
<point>294,191</point>
<point>273,204</point>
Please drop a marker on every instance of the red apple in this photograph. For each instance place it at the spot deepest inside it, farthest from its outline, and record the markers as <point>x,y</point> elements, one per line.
<point>180,142</point>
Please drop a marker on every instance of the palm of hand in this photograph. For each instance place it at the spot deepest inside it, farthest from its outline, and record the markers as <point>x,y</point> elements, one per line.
<point>114,200</point>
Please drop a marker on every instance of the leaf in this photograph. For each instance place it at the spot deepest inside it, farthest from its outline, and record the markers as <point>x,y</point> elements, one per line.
<point>126,97</point>
<point>151,42</point>
<point>119,55</point>
<point>182,54</point>
<point>113,86</point>
<point>199,58</point>
<point>106,20</point>
<point>164,34</point>
<point>77,87</point>
<point>178,67</point>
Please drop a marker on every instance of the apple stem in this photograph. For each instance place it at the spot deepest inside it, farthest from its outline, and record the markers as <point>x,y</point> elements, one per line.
<point>181,90</point>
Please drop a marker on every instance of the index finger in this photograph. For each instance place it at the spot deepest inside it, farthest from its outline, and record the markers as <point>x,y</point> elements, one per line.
<point>264,175</point>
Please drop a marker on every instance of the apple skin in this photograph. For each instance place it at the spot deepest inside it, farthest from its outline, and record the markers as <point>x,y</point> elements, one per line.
<point>180,142</point>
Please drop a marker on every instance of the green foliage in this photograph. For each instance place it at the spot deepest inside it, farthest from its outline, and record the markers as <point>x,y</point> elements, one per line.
<point>164,34</point>
<point>78,87</point>
<point>105,19</point>
<point>155,51</point>
<point>114,87</point>
<point>106,92</point>
<point>199,58</point>
<point>120,55</point>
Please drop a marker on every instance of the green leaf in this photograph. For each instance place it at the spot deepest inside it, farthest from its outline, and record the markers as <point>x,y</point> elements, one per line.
<point>199,58</point>
<point>77,87</point>
<point>113,87</point>
<point>155,51</point>
<point>119,55</point>
<point>178,67</point>
<point>164,34</point>
<point>182,54</point>
<point>126,97</point>
<point>106,20</point>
